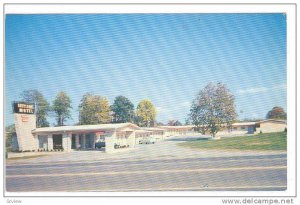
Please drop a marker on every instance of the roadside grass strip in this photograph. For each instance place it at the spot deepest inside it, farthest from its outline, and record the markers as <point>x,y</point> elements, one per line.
<point>266,141</point>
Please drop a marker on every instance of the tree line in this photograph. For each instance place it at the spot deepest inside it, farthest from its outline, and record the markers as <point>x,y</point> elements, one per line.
<point>212,110</point>
<point>93,109</point>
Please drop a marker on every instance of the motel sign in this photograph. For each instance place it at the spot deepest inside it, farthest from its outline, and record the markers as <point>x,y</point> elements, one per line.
<point>23,108</point>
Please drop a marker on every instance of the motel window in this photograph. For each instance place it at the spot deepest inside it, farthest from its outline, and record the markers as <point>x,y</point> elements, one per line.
<point>243,127</point>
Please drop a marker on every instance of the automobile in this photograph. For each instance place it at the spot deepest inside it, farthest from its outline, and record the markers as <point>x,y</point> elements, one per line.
<point>147,141</point>
<point>99,144</point>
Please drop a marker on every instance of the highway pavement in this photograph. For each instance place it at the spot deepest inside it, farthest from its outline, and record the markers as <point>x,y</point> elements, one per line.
<point>250,172</point>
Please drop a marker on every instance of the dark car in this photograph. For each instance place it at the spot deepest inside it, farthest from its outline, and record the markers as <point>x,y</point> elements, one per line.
<point>100,144</point>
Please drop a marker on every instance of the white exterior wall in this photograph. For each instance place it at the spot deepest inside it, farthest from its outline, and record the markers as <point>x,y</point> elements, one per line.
<point>131,140</point>
<point>50,142</point>
<point>121,141</point>
<point>268,127</point>
<point>158,137</point>
<point>26,140</point>
<point>110,140</point>
<point>137,140</point>
<point>167,134</point>
<point>171,132</point>
<point>67,142</point>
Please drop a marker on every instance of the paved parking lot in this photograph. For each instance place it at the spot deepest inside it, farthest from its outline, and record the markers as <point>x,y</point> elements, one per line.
<point>167,149</point>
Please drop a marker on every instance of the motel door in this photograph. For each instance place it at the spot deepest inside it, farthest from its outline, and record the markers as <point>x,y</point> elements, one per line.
<point>89,141</point>
<point>73,145</point>
<point>57,142</point>
<point>250,129</point>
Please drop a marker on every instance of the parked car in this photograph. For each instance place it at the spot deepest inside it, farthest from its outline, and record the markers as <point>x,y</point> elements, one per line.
<point>99,144</point>
<point>147,141</point>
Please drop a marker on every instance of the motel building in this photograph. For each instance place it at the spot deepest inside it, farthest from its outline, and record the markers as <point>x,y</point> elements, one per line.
<point>157,134</point>
<point>86,137</point>
<point>110,137</point>
<point>106,137</point>
<point>263,126</point>
<point>271,125</point>
<point>179,130</point>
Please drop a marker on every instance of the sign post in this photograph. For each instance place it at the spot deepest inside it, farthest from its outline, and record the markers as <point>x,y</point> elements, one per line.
<point>25,122</point>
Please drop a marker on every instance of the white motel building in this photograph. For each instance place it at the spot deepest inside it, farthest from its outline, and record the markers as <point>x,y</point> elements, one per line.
<point>86,136</point>
<point>108,137</point>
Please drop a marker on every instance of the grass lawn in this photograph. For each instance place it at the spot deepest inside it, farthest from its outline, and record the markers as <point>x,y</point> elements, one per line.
<point>265,141</point>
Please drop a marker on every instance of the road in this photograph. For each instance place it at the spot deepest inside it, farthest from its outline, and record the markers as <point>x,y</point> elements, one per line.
<point>250,172</point>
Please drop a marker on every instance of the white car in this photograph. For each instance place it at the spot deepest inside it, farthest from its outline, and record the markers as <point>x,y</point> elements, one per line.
<point>147,141</point>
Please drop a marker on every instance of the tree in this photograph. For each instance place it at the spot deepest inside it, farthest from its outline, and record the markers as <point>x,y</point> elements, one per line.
<point>61,107</point>
<point>158,123</point>
<point>213,109</point>
<point>123,110</point>
<point>277,113</point>
<point>174,123</point>
<point>42,107</point>
<point>9,131</point>
<point>94,109</point>
<point>187,121</point>
<point>145,113</point>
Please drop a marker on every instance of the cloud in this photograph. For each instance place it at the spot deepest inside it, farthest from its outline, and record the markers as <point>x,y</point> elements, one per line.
<point>253,90</point>
<point>262,89</point>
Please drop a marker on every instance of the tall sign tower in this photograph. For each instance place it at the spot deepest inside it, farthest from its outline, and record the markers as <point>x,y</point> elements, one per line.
<point>25,122</point>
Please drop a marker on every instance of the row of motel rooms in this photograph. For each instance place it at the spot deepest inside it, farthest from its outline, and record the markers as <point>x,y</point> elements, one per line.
<point>110,137</point>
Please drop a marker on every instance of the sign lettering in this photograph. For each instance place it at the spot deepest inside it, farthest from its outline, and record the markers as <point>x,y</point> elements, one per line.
<point>25,108</point>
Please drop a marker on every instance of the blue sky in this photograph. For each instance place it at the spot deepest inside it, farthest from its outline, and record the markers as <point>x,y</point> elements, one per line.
<point>166,58</point>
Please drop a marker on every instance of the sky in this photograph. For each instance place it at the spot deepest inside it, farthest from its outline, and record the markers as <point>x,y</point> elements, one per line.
<point>166,58</point>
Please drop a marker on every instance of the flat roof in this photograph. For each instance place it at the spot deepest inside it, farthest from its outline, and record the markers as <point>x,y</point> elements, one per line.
<point>143,131</point>
<point>81,128</point>
<point>254,123</point>
<point>153,128</point>
<point>273,120</point>
<point>243,123</point>
<point>182,127</point>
